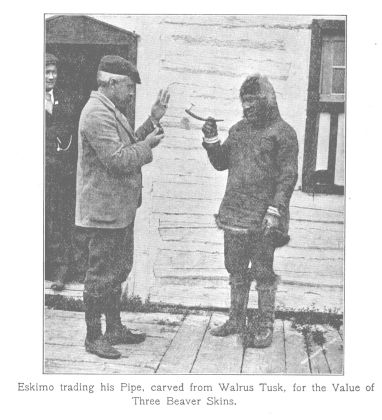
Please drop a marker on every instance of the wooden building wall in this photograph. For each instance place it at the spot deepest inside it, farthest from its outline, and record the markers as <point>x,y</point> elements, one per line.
<point>205,59</point>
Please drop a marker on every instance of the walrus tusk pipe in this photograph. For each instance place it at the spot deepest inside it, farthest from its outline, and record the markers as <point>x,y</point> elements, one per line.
<point>200,118</point>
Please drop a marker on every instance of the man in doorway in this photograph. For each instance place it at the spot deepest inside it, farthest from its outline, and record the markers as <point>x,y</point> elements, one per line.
<point>260,154</point>
<point>61,119</point>
<point>109,183</point>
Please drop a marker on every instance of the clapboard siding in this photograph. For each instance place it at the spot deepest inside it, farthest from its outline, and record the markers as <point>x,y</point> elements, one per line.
<point>221,53</point>
<point>193,237</point>
<point>210,206</point>
<point>204,60</point>
<point>240,21</point>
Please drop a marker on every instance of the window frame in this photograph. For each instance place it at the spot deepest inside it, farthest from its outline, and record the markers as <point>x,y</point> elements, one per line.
<point>317,103</point>
<point>331,97</point>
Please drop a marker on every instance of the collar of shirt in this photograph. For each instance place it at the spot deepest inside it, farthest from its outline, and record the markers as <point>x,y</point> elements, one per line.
<point>51,95</point>
<point>105,98</point>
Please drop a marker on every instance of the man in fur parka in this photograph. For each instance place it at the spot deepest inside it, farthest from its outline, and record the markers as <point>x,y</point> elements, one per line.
<point>260,155</point>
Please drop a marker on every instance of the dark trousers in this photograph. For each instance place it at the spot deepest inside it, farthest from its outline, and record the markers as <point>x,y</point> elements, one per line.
<point>59,227</point>
<point>110,255</point>
<point>241,250</point>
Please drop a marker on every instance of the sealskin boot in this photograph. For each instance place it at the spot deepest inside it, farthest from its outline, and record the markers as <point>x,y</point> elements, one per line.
<point>95,342</point>
<point>260,333</point>
<point>116,332</point>
<point>238,311</point>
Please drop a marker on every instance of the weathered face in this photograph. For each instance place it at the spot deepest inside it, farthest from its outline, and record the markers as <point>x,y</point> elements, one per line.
<point>50,76</point>
<point>123,89</point>
<point>254,107</point>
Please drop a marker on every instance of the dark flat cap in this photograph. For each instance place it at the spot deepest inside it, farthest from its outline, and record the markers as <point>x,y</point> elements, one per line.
<point>118,65</point>
<point>50,59</point>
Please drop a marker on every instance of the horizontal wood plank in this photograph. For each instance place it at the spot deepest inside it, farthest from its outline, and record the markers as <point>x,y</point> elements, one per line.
<point>308,262</point>
<point>299,199</point>
<point>210,207</point>
<point>207,294</point>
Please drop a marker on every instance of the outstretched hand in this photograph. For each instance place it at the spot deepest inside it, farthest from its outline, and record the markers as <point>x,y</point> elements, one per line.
<point>160,106</point>
<point>154,138</point>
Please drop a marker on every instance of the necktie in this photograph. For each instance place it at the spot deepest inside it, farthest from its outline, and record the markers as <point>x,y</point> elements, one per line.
<point>48,102</point>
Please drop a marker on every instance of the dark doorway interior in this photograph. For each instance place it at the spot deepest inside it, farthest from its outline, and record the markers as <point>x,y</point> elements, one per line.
<point>72,40</point>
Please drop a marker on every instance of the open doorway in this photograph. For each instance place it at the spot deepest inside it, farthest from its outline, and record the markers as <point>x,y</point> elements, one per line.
<point>80,42</point>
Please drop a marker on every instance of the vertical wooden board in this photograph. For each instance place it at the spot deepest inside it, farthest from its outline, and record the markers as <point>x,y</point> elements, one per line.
<point>182,352</point>
<point>218,354</point>
<point>339,176</point>
<point>140,358</point>
<point>341,332</point>
<point>146,355</point>
<point>65,332</point>
<point>297,361</point>
<point>318,362</point>
<point>64,327</point>
<point>334,351</point>
<point>74,353</point>
<point>57,313</point>
<point>268,360</point>
<point>323,141</point>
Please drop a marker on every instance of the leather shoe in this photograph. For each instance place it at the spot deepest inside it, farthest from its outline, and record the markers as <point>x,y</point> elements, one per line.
<point>102,348</point>
<point>58,286</point>
<point>120,334</point>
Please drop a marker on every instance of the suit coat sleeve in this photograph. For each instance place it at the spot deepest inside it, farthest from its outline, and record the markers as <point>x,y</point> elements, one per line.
<point>144,130</point>
<point>100,130</point>
<point>287,165</point>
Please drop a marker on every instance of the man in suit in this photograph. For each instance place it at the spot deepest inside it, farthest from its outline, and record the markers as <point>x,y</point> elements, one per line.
<point>61,117</point>
<point>109,183</point>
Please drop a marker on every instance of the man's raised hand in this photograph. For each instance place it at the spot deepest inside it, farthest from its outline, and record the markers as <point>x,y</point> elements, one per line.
<point>160,106</point>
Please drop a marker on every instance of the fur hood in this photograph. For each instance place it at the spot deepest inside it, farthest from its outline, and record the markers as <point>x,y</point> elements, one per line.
<point>260,85</point>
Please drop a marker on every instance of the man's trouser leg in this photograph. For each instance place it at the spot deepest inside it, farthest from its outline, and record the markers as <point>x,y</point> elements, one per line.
<point>80,255</point>
<point>260,333</point>
<point>236,262</point>
<point>103,276</point>
<point>57,243</point>
<point>116,332</point>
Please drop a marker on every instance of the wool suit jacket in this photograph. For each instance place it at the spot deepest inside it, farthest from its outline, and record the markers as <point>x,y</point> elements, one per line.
<point>110,158</point>
<point>61,136</point>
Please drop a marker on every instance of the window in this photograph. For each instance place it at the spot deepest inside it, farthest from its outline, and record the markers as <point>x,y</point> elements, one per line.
<point>324,148</point>
<point>332,83</point>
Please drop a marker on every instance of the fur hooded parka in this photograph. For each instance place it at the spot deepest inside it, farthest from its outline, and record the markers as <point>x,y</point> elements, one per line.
<point>261,158</point>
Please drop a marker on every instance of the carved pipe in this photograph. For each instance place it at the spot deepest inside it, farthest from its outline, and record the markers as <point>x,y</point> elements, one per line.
<point>200,118</point>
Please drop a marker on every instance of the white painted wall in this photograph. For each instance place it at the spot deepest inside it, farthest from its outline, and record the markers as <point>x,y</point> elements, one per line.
<point>206,58</point>
<point>227,48</point>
